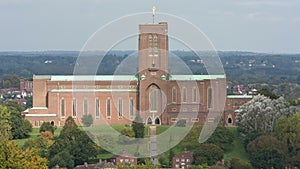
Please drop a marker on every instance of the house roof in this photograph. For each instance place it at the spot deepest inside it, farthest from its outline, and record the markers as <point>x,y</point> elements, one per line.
<point>120,77</point>
<point>89,166</point>
<point>86,77</point>
<point>239,96</point>
<point>184,154</point>
<point>196,77</point>
<point>124,154</point>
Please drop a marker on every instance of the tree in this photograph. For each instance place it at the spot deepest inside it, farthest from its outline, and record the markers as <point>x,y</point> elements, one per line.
<point>14,105</point>
<point>191,140</point>
<point>208,153</point>
<point>235,163</point>
<point>12,157</point>
<point>20,127</point>
<point>10,154</point>
<point>222,137</point>
<point>138,126</point>
<point>46,126</point>
<point>127,131</point>
<point>266,152</point>
<point>41,144</point>
<point>203,166</point>
<point>5,126</point>
<point>33,160</point>
<point>217,167</point>
<point>264,142</point>
<point>126,135</point>
<point>266,92</point>
<point>251,136</point>
<point>10,80</point>
<point>27,126</point>
<point>87,120</point>
<point>165,159</point>
<point>74,141</point>
<point>261,113</point>
<point>171,155</point>
<point>268,158</point>
<point>146,165</point>
<point>62,159</point>
<point>287,131</point>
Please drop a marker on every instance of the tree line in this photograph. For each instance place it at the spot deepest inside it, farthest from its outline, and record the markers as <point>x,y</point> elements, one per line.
<point>270,130</point>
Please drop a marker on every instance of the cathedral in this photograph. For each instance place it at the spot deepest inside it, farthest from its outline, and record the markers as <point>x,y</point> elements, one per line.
<point>159,97</point>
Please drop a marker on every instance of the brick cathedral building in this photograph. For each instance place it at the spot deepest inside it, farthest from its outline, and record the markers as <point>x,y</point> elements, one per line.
<point>159,97</point>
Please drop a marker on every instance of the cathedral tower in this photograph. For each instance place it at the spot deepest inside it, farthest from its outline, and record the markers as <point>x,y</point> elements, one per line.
<point>153,47</point>
<point>153,71</point>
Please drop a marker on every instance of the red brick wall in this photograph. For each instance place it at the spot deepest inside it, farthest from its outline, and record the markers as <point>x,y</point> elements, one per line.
<point>232,104</point>
<point>160,61</point>
<point>40,92</point>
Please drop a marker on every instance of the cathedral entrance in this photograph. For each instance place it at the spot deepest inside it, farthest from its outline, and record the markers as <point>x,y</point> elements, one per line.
<point>149,121</point>
<point>229,121</point>
<point>157,103</point>
<point>157,121</point>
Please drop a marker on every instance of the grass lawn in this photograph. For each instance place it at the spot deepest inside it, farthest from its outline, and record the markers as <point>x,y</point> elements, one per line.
<point>117,128</point>
<point>106,156</point>
<point>57,131</point>
<point>238,150</point>
<point>161,129</point>
<point>32,135</point>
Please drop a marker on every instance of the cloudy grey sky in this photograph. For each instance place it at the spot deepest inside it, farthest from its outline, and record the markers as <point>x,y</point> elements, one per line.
<point>246,25</point>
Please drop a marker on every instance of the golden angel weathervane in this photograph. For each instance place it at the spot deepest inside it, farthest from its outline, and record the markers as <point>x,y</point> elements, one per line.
<point>153,12</point>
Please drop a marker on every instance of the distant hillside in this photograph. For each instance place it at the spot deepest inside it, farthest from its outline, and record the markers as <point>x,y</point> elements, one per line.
<point>240,67</point>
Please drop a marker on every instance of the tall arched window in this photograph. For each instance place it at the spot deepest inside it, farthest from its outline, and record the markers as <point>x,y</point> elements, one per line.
<point>85,106</point>
<point>153,98</point>
<point>74,107</point>
<point>150,49</point>
<point>174,95</point>
<point>184,94</point>
<point>194,94</point>
<point>155,51</point>
<point>97,107</point>
<point>120,104</point>
<point>108,115</point>
<point>131,109</point>
<point>209,98</point>
<point>62,111</point>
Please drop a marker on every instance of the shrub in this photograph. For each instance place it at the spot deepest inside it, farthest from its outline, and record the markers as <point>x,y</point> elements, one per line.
<point>181,123</point>
<point>87,120</point>
<point>208,153</point>
<point>46,126</point>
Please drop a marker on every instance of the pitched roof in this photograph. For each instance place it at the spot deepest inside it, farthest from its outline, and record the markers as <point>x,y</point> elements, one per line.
<point>120,77</point>
<point>239,96</point>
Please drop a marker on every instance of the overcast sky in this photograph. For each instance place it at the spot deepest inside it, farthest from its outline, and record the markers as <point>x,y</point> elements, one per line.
<point>271,26</point>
